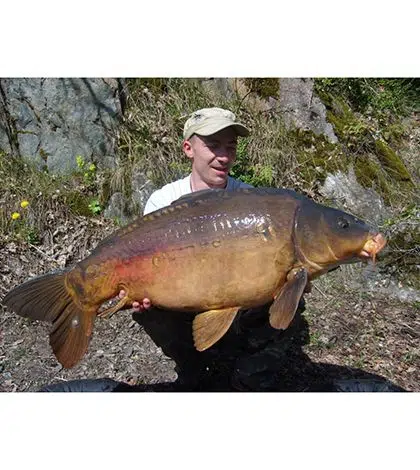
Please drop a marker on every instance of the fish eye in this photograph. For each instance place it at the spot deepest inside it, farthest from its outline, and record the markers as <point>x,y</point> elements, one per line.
<point>343,223</point>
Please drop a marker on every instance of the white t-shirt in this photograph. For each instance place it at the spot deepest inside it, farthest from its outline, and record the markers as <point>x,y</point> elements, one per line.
<point>172,191</point>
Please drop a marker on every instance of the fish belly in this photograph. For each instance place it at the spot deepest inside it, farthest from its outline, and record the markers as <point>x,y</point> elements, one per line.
<point>219,275</point>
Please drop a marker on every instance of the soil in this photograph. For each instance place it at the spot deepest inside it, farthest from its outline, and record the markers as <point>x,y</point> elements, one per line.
<point>344,332</point>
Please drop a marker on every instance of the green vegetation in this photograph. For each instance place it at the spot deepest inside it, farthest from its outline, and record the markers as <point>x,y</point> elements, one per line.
<point>86,170</point>
<point>368,118</point>
<point>30,197</point>
<point>87,173</point>
<point>366,115</point>
<point>378,97</point>
<point>263,87</point>
<point>403,234</point>
<point>392,163</point>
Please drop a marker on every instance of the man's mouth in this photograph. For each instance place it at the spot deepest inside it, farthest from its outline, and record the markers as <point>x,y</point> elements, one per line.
<point>221,171</point>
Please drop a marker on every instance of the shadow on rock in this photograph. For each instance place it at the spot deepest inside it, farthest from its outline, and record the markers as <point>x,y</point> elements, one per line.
<point>252,356</point>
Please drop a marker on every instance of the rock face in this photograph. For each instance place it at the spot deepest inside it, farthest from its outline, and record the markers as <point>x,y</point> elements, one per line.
<point>116,209</point>
<point>142,189</point>
<point>52,120</point>
<point>347,194</point>
<point>118,206</point>
<point>302,108</point>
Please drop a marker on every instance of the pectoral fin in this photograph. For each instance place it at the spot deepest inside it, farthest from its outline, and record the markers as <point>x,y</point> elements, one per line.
<point>285,304</point>
<point>210,326</point>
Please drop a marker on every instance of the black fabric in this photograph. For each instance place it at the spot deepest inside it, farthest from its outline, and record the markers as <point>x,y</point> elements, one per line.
<point>86,385</point>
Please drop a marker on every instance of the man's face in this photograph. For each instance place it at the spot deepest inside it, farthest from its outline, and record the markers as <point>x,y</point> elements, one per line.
<point>212,156</point>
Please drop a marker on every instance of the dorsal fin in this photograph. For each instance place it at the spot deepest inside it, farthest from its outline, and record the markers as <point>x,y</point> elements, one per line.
<point>190,199</point>
<point>119,233</point>
<point>205,195</point>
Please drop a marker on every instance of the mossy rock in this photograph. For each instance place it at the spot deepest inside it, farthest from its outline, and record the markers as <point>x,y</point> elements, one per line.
<point>317,155</point>
<point>392,163</point>
<point>352,132</point>
<point>370,174</point>
<point>263,87</point>
<point>375,163</point>
<point>394,133</point>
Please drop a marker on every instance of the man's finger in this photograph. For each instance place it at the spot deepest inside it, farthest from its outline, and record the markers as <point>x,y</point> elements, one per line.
<point>121,295</point>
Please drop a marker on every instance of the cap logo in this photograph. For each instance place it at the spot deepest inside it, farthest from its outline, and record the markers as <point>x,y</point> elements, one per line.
<point>197,117</point>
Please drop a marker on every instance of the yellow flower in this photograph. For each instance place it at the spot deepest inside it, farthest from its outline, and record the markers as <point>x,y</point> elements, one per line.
<point>24,204</point>
<point>15,215</point>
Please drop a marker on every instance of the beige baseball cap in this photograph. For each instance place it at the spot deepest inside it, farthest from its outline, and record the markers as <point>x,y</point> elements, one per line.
<point>208,121</point>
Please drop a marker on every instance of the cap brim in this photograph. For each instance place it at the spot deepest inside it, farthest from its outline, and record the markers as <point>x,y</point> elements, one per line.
<point>210,129</point>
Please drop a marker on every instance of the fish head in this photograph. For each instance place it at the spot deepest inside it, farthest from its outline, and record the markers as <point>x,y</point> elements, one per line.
<point>327,237</point>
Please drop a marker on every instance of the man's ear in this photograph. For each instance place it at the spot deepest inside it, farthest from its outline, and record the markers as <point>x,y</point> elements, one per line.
<point>187,148</point>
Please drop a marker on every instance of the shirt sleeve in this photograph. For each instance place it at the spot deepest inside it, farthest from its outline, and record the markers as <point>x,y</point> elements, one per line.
<point>161,198</point>
<point>152,204</point>
<point>167,194</point>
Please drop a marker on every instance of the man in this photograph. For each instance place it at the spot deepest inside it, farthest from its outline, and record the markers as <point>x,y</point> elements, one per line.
<point>210,141</point>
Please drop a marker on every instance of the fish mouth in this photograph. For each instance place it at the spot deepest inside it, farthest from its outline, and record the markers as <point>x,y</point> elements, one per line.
<point>372,247</point>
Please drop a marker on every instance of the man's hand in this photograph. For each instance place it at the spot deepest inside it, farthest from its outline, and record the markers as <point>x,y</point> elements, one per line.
<point>137,306</point>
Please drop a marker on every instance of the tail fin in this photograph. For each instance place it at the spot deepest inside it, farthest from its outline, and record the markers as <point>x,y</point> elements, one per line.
<point>46,298</point>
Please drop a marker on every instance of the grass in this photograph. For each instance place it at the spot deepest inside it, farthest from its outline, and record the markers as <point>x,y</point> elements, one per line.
<point>30,197</point>
<point>411,356</point>
<point>375,96</point>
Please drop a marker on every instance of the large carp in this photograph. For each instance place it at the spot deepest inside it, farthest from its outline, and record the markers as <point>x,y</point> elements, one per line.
<point>213,252</point>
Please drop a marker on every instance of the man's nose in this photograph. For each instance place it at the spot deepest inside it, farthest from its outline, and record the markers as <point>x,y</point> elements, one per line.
<point>225,154</point>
